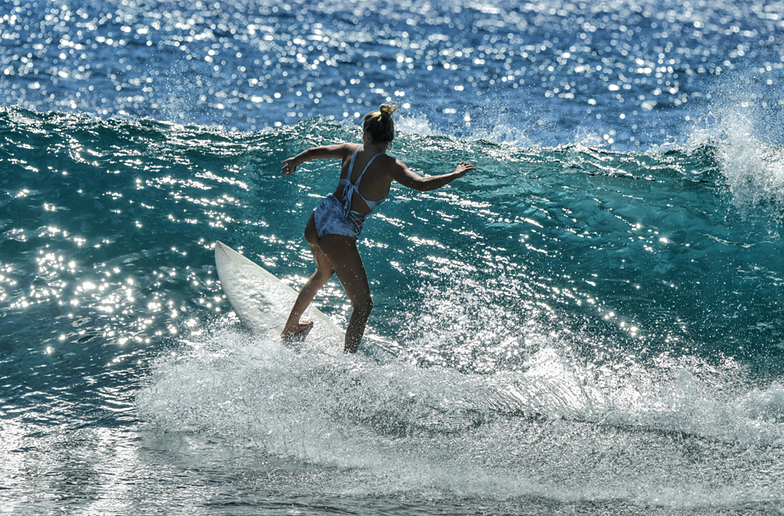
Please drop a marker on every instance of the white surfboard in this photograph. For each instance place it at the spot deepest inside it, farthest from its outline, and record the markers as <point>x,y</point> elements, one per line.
<point>263,302</point>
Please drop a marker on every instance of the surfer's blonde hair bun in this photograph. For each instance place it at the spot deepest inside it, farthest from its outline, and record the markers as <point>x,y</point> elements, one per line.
<point>386,110</point>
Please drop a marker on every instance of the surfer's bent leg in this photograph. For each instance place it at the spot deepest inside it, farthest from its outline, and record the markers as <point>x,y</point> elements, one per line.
<point>324,271</point>
<point>342,252</point>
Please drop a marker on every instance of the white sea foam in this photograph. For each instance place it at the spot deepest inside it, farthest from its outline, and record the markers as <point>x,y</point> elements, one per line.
<point>743,123</point>
<point>754,170</point>
<point>560,428</point>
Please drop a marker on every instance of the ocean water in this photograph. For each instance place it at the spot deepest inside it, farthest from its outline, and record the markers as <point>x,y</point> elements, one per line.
<point>590,323</point>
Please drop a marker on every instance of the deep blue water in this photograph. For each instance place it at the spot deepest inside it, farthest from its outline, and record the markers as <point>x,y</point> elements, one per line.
<point>590,323</point>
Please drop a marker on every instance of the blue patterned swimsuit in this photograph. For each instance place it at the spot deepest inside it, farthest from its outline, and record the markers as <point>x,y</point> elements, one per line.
<point>335,217</point>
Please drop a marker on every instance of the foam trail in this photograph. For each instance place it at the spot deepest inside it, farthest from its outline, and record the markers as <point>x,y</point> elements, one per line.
<point>551,430</point>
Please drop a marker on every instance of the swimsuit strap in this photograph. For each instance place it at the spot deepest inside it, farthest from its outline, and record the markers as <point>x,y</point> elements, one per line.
<point>351,164</point>
<point>350,188</point>
<point>359,179</point>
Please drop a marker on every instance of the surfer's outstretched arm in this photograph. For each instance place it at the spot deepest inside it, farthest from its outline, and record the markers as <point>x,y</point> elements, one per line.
<point>323,152</point>
<point>407,177</point>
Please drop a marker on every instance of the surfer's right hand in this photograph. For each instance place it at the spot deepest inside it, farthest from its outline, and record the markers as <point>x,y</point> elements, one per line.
<point>288,166</point>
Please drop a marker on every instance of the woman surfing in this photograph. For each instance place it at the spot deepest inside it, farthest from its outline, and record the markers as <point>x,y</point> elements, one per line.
<point>366,175</point>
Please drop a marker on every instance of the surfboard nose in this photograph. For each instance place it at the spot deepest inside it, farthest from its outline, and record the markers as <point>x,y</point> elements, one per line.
<point>262,302</point>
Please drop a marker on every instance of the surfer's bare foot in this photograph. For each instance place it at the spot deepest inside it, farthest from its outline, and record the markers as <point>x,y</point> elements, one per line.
<point>297,331</point>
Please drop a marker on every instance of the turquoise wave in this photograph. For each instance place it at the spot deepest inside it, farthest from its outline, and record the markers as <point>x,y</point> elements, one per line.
<point>113,221</point>
<point>554,310</point>
<point>108,226</point>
